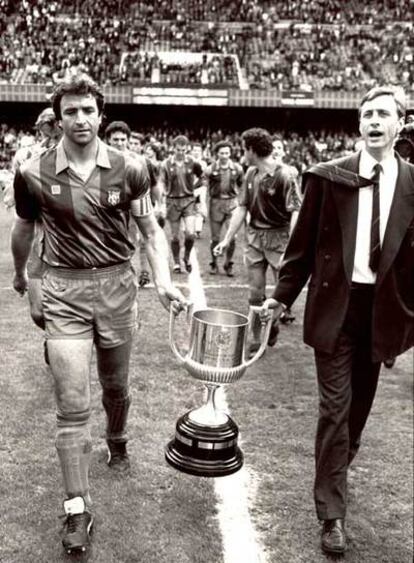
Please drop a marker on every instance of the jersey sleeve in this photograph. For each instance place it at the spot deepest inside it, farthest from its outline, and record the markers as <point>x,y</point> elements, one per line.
<point>138,180</point>
<point>26,204</point>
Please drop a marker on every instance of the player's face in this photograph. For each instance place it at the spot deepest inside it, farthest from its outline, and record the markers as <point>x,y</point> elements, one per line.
<point>135,145</point>
<point>197,152</point>
<point>80,118</point>
<point>278,149</point>
<point>180,151</point>
<point>379,124</point>
<point>149,151</point>
<point>248,155</point>
<point>119,140</point>
<point>224,154</point>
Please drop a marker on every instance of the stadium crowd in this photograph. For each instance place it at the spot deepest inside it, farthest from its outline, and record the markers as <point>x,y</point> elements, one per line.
<point>301,150</point>
<point>279,44</point>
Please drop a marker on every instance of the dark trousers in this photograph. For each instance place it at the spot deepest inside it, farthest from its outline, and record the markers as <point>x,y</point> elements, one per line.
<point>347,381</point>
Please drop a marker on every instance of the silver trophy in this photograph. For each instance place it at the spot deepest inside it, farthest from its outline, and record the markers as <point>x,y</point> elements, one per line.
<point>205,441</point>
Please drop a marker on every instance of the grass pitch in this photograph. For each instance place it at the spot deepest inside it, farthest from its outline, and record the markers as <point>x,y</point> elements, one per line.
<point>158,515</point>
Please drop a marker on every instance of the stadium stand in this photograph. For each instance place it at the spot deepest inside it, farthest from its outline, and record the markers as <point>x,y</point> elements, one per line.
<point>277,44</point>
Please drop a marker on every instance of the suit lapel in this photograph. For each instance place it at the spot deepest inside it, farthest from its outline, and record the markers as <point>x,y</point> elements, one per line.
<point>401,215</point>
<point>346,199</point>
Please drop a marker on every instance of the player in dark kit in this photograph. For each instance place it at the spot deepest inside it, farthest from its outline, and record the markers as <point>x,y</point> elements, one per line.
<point>269,194</point>
<point>180,174</point>
<point>85,192</point>
<point>223,179</point>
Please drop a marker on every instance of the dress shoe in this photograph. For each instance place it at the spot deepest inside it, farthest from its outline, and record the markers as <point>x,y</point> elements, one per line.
<point>333,538</point>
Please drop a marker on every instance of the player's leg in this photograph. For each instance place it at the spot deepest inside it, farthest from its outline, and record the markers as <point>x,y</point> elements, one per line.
<point>67,311</point>
<point>69,361</point>
<point>257,287</point>
<point>228,259</point>
<point>113,368</point>
<point>216,222</point>
<point>189,236</point>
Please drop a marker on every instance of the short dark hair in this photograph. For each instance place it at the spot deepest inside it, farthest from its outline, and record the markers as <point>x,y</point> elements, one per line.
<point>180,140</point>
<point>396,93</point>
<point>78,85</point>
<point>139,136</point>
<point>116,126</point>
<point>259,140</point>
<point>222,145</point>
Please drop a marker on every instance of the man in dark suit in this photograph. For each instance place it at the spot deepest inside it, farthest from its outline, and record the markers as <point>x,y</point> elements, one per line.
<point>354,239</point>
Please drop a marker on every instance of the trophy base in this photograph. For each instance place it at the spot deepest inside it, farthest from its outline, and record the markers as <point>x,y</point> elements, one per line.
<point>203,450</point>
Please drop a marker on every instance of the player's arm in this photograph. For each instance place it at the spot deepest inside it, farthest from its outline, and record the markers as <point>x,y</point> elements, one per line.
<point>156,245</point>
<point>237,219</point>
<point>22,233</point>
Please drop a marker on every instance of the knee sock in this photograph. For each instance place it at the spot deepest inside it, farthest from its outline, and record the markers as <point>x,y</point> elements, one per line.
<point>230,251</point>
<point>213,244</point>
<point>116,404</point>
<point>74,446</point>
<point>175,249</point>
<point>256,327</point>
<point>188,245</point>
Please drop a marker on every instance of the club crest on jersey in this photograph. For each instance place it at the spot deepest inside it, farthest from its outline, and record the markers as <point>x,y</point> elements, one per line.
<point>55,189</point>
<point>114,197</point>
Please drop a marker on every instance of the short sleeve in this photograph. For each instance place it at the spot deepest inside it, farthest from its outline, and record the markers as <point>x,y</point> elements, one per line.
<point>26,204</point>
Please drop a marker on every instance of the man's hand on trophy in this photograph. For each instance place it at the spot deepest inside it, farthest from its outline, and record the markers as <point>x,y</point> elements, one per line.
<point>271,307</point>
<point>220,248</point>
<point>173,299</point>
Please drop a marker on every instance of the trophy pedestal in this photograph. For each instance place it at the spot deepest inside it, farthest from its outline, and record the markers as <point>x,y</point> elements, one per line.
<point>205,451</point>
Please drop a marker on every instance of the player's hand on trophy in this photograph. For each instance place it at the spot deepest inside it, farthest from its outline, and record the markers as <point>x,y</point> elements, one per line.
<point>173,299</point>
<point>271,307</point>
<point>220,248</point>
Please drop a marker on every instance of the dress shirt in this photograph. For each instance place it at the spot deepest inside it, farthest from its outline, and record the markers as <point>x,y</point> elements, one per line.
<point>362,273</point>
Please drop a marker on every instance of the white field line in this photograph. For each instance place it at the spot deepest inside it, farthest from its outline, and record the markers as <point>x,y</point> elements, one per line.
<point>234,492</point>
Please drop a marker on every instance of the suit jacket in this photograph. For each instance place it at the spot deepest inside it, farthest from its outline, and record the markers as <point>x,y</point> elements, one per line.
<point>322,247</point>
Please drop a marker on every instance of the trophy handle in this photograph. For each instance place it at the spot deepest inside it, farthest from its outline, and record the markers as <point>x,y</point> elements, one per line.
<point>173,345</point>
<point>260,351</point>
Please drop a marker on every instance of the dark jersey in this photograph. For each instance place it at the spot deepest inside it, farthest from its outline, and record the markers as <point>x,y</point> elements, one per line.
<point>180,179</point>
<point>223,183</point>
<point>270,199</point>
<point>85,222</point>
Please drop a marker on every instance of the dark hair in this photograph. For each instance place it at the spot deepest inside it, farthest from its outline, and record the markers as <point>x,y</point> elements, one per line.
<point>259,140</point>
<point>180,140</point>
<point>396,93</point>
<point>139,136</point>
<point>78,85</point>
<point>116,126</point>
<point>222,145</point>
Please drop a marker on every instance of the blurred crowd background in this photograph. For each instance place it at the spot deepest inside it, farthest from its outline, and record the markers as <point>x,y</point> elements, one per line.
<point>301,45</point>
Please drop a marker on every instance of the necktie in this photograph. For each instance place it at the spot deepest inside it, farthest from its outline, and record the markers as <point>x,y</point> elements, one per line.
<point>375,246</point>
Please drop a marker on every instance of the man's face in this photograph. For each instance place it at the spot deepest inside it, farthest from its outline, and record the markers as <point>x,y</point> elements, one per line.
<point>278,149</point>
<point>248,155</point>
<point>179,151</point>
<point>80,118</point>
<point>118,140</point>
<point>223,155</point>
<point>379,124</point>
<point>135,145</point>
<point>197,152</point>
<point>149,151</point>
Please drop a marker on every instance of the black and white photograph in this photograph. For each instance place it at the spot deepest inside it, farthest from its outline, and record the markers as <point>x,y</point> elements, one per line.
<point>206,281</point>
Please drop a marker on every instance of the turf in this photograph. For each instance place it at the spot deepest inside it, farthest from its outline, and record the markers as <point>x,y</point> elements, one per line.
<point>159,515</point>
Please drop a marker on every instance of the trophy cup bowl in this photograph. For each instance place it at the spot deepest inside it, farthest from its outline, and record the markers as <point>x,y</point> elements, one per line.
<point>205,442</point>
